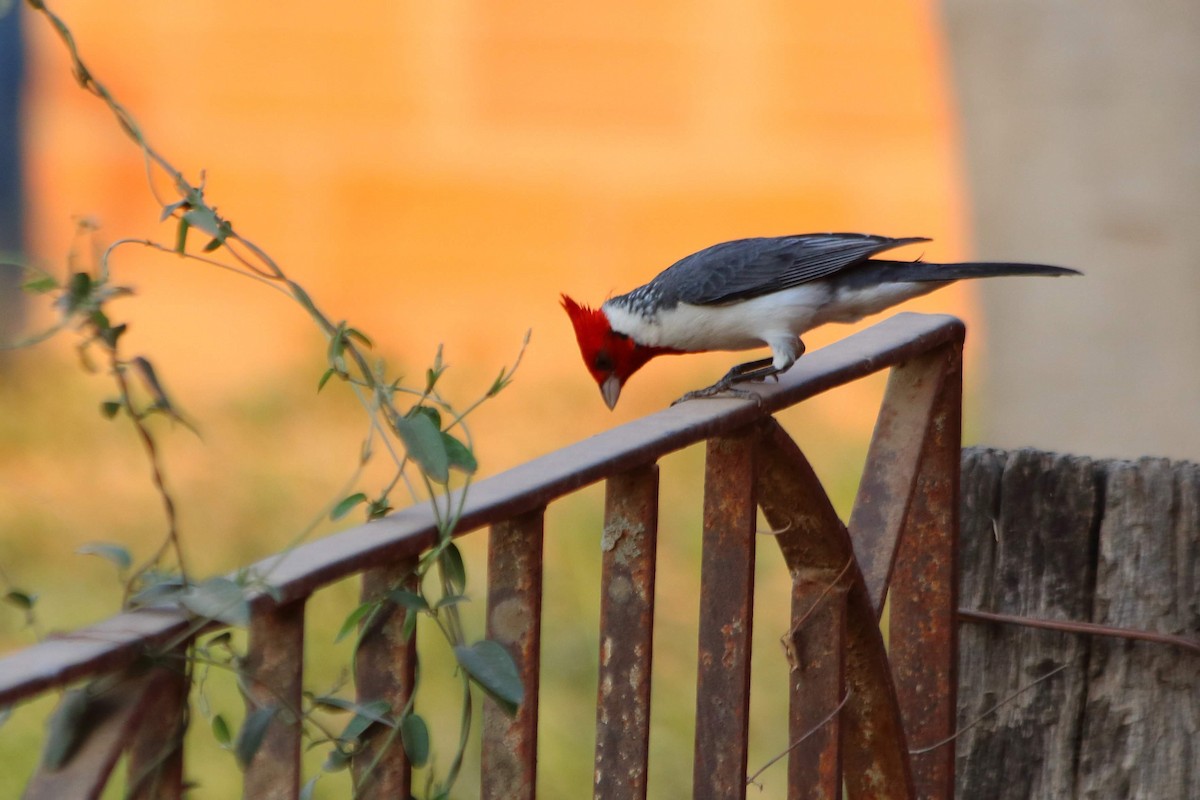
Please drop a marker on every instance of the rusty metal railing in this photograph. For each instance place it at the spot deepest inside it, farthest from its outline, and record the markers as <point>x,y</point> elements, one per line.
<point>857,711</point>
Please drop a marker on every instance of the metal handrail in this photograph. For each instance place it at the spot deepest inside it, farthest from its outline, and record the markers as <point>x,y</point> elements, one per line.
<point>119,640</point>
<point>903,536</point>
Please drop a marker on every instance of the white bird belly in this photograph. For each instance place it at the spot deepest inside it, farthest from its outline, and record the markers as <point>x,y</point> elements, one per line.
<point>742,325</point>
<point>765,320</point>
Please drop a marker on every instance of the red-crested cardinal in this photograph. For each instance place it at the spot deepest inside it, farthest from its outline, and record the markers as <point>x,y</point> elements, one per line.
<point>752,293</point>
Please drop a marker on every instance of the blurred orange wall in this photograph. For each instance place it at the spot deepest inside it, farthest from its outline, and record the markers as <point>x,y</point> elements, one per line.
<point>436,172</point>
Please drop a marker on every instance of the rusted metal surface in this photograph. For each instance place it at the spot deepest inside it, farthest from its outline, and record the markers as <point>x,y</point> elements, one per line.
<point>112,716</point>
<point>155,763</point>
<point>726,617</point>
<point>107,646</point>
<point>750,459</point>
<point>273,672</point>
<point>116,643</point>
<point>818,685</point>
<point>514,619</point>
<point>384,669</point>
<point>924,597</point>
<point>532,485</point>
<point>882,503</point>
<point>811,537</point>
<point>626,634</point>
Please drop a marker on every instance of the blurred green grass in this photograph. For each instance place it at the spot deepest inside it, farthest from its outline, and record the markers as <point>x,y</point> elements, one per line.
<point>68,477</point>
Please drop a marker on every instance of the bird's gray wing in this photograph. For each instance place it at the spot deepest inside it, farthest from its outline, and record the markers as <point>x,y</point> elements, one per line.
<point>747,268</point>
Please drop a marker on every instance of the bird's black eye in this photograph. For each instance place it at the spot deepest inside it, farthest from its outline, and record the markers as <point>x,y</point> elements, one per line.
<point>603,362</point>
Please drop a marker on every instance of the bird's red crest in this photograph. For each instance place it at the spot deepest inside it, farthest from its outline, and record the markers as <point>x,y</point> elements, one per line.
<point>591,326</point>
<point>609,356</point>
<point>593,332</point>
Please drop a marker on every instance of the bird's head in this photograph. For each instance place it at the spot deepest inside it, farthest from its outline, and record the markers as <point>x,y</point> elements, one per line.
<point>609,356</point>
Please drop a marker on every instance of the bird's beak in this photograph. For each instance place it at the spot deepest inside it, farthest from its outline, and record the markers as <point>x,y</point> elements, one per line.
<point>611,391</point>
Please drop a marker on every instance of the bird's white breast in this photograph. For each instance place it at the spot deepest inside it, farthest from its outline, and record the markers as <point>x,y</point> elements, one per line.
<point>734,326</point>
<point>763,320</point>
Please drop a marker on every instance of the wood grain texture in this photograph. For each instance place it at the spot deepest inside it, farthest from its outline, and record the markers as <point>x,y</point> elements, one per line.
<point>1066,538</point>
<point>1028,544</point>
<point>1143,703</point>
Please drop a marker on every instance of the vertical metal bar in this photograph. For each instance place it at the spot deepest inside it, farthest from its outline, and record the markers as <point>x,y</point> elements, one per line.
<point>726,616</point>
<point>274,669</point>
<point>810,536</point>
<point>155,760</point>
<point>626,634</point>
<point>818,685</point>
<point>116,706</point>
<point>886,488</point>
<point>514,619</point>
<point>385,669</point>
<point>924,597</point>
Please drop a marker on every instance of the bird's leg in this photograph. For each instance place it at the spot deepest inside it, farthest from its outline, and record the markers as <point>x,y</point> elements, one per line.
<point>750,371</point>
<point>758,370</point>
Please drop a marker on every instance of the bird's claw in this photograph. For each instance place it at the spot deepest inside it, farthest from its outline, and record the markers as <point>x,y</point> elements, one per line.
<point>720,389</point>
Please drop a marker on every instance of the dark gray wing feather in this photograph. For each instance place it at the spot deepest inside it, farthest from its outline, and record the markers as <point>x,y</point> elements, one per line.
<point>747,268</point>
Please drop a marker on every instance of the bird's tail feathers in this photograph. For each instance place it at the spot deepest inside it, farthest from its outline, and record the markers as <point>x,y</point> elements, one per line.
<point>919,271</point>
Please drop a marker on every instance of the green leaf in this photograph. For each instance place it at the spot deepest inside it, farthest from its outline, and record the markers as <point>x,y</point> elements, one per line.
<point>452,600</point>
<point>498,385</point>
<point>206,219</point>
<point>407,599</point>
<point>337,344</point>
<point>181,232</point>
<point>460,456</point>
<point>20,599</point>
<point>79,288</point>
<point>253,731</point>
<point>490,666</point>
<point>414,733</point>
<point>352,620</point>
<point>355,333</point>
<point>157,587</point>
<point>149,377</point>
<point>214,243</point>
<point>375,711</point>
<point>346,505</point>
<point>453,568</point>
<point>366,716</point>
<point>110,408</point>
<point>67,728</point>
<point>423,441</point>
<point>410,625</point>
<point>434,373</point>
<point>329,373</point>
<point>429,411</point>
<point>115,553</point>
<point>306,793</point>
<point>337,761</point>
<point>217,598</point>
<point>46,283</point>
<point>109,334</point>
<point>171,209</point>
<point>220,729</point>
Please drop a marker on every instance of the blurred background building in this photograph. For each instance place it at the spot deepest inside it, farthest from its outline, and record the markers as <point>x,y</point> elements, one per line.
<point>1081,132</point>
<point>427,167</point>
